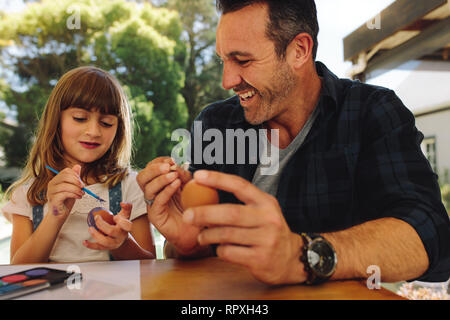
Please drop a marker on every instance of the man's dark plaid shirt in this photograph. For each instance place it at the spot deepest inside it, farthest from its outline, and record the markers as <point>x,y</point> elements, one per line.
<point>361,161</point>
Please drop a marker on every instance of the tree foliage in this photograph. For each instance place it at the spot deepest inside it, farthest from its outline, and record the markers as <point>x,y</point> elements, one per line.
<point>445,193</point>
<point>139,44</point>
<point>203,72</point>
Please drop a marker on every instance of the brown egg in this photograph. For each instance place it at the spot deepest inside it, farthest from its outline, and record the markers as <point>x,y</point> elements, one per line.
<point>104,213</point>
<point>195,194</point>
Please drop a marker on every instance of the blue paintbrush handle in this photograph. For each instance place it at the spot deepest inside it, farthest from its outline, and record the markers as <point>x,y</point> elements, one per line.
<point>51,169</point>
<point>84,189</point>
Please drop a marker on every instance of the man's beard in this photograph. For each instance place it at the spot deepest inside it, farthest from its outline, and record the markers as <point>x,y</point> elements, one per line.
<point>272,99</point>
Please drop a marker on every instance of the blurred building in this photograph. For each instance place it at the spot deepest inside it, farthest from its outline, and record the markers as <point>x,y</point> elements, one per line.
<point>412,31</point>
<point>426,91</point>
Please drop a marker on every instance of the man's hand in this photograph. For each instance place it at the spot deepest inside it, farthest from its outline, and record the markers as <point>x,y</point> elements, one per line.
<point>254,235</point>
<point>163,186</point>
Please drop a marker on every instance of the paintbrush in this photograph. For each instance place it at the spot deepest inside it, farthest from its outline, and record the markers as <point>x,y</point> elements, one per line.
<point>183,173</point>
<point>84,189</point>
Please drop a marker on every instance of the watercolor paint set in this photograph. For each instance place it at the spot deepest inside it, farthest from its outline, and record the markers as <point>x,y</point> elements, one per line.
<point>32,280</point>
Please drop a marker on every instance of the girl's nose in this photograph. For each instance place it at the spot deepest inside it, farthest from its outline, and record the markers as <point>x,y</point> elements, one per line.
<point>93,129</point>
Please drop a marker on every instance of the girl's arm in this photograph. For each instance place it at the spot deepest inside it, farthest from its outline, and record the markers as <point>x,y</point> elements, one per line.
<point>139,244</point>
<point>33,247</point>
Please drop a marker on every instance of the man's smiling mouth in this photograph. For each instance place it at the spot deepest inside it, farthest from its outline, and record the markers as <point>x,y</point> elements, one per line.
<point>247,95</point>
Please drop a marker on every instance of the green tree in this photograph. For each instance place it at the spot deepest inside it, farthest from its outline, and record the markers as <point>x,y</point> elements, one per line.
<point>137,43</point>
<point>445,193</point>
<point>203,71</point>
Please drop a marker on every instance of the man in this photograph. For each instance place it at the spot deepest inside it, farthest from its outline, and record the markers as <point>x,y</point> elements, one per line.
<point>353,189</point>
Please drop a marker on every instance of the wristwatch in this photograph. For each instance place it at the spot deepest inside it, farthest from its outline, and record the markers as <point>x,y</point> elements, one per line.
<point>318,257</point>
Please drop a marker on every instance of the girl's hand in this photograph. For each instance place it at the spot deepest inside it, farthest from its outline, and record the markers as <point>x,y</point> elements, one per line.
<point>114,235</point>
<point>63,190</point>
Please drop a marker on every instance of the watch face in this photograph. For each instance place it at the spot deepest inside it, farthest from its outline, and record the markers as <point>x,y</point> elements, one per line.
<point>321,258</point>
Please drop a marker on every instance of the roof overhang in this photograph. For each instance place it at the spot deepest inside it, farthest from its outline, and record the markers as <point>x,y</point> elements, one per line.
<point>432,110</point>
<point>406,30</point>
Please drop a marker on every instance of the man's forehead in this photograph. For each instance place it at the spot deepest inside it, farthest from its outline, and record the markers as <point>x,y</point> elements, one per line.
<point>238,31</point>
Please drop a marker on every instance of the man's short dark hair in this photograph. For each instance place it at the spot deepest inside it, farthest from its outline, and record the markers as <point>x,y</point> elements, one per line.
<point>288,18</point>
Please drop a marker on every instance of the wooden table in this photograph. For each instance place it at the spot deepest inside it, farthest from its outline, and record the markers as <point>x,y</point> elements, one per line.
<point>214,279</point>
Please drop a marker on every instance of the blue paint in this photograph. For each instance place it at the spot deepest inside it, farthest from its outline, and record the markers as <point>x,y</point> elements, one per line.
<point>36,272</point>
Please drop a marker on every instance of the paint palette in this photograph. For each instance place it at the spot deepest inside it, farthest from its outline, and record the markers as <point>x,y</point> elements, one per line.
<point>32,280</point>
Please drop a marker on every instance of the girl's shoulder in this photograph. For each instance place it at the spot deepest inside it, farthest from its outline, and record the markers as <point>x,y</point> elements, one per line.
<point>21,189</point>
<point>130,187</point>
<point>130,178</point>
<point>18,201</point>
<point>132,193</point>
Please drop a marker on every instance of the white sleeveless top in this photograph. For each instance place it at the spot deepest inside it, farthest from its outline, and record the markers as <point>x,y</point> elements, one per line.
<point>68,246</point>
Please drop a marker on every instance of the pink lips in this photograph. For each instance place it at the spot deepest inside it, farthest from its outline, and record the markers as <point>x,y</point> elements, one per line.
<point>89,145</point>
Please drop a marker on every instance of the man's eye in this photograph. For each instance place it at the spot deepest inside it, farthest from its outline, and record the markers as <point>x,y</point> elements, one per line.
<point>242,62</point>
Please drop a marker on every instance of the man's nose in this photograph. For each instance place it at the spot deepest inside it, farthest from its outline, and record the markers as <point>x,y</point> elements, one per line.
<point>231,77</point>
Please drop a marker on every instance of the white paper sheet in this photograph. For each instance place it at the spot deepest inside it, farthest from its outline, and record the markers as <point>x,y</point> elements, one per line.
<point>110,280</point>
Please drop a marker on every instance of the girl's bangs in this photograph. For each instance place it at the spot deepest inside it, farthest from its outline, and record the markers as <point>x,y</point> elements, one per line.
<point>92,90</point>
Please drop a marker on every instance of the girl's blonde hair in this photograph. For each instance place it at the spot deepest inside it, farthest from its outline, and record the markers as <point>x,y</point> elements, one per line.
<point>88,88</point>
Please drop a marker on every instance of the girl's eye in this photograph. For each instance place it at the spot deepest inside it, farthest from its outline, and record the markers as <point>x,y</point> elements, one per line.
<point>79,119</point>
<point>106,124</point>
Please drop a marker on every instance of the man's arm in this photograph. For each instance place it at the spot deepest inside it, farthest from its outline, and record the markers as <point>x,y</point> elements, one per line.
<point>394,180</point>
<point>256,236</point>
<point>391,244</point>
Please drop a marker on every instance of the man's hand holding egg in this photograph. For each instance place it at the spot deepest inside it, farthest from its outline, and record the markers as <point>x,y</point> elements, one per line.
<point>162,181</point>
<point>195,194</point>
<point>254,234</point>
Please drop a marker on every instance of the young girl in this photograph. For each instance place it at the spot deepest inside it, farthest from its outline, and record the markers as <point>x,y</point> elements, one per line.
<point>85,133</point>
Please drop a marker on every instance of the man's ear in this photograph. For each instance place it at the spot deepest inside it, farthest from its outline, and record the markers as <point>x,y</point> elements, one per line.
<point>300,50</point>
